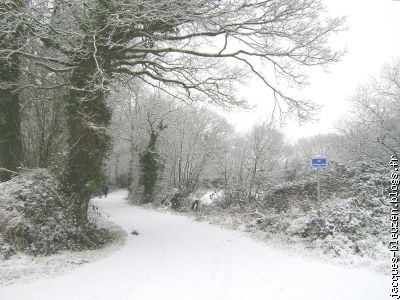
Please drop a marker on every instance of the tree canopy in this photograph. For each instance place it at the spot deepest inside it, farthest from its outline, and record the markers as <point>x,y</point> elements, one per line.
<point>197,50</point>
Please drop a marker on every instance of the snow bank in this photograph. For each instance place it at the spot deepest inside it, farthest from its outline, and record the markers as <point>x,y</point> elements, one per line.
<point>350,225</point>
<point>175,258</point>
<point>23,268</point>
<point>36,218</point>
<point>211,196</point>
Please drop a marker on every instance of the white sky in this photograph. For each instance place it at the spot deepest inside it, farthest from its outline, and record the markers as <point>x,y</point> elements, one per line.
<point>372,40</point>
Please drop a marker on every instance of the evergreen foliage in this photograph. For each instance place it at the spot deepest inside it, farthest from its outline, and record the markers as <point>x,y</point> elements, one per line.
<point>350,219</point>
<point>10,142</point>
<point>88,114</point>
<point>10,119</point>
<point>149,163</point>
<point>36,217</point>
<point>93,42</point>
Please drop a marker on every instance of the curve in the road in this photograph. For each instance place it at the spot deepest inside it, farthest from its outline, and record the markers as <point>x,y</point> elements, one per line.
<point>176,258</point>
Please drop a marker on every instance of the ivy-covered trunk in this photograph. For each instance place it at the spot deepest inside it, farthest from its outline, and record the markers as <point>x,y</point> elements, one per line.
<point>93,63</point>
<point>149,163</point>
<point>88,117</point>
<point>10,119</point>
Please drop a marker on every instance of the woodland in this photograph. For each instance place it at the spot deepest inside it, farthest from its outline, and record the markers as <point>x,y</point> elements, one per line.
<point>124,93</point>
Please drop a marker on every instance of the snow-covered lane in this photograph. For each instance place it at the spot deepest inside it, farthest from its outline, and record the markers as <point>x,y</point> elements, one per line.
<point>176,258</point>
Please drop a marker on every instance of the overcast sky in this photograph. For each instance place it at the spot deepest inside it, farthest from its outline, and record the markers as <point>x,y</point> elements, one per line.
<point>372,40</point>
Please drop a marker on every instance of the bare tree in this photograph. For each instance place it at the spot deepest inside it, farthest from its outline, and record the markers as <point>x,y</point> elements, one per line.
<point>195,143</point>
<point>129,104</point>
<point>194,50</point>
<point>253,160</point>
<point>264,146</point>
<point>372,131</point>
<point>43,133</point>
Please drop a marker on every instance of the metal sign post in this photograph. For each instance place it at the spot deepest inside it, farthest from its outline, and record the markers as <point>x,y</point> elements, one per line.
<point>318,188</point>
<point>319,162</point>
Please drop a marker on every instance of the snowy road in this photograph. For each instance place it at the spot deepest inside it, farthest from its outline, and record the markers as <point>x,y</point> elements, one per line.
<point>176,258</point>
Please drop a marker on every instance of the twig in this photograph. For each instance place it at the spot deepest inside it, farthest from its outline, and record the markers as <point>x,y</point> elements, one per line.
<point>256,212</point>
<point>9,171</point>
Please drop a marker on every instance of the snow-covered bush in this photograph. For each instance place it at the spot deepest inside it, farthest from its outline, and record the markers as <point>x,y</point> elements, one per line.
<point>36,217</point>
<point>302,194</point>
<point>351,218</point>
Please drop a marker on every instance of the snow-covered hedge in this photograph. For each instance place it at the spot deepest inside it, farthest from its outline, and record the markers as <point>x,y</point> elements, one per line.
<point>352,217</point>
<point>354,208</point>
<point>36,217</point>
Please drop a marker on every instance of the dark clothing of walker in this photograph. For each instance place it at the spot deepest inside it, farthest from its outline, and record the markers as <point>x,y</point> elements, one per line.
<point>105,190</point>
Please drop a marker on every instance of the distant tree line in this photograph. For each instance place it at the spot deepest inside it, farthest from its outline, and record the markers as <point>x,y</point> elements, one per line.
<point>59,61</point>
<point>196,148</point>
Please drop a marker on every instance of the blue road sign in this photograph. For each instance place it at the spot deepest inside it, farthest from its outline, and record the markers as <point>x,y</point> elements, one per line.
<point>319,162</point>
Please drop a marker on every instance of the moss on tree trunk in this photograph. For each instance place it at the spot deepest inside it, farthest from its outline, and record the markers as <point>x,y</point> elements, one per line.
<point>88,117</point>
<point>10,119</point>
<point>10,116</point>
<point>149,162</point>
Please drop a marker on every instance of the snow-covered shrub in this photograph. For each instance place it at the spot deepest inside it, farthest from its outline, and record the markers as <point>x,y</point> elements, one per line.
<point>337,245</point>
<point>351,218</point>
<point>6,250</point>
<point>316,226</point>
<point>273,223</point>
<point>176,199</point>
<point>337,181</point>
<point>234,197</point>
<point>37,217</point>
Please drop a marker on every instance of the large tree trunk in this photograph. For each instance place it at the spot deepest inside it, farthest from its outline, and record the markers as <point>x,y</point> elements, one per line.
<point>87,112</point>
<point>88,141</point>
<point>10,119</point>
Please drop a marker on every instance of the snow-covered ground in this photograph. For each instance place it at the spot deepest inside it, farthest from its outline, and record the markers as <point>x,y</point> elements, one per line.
<point>25,268</point>
<point>176,258</point>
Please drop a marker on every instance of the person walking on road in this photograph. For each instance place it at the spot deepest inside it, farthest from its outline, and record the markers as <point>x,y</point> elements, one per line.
<point>105,190</point>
